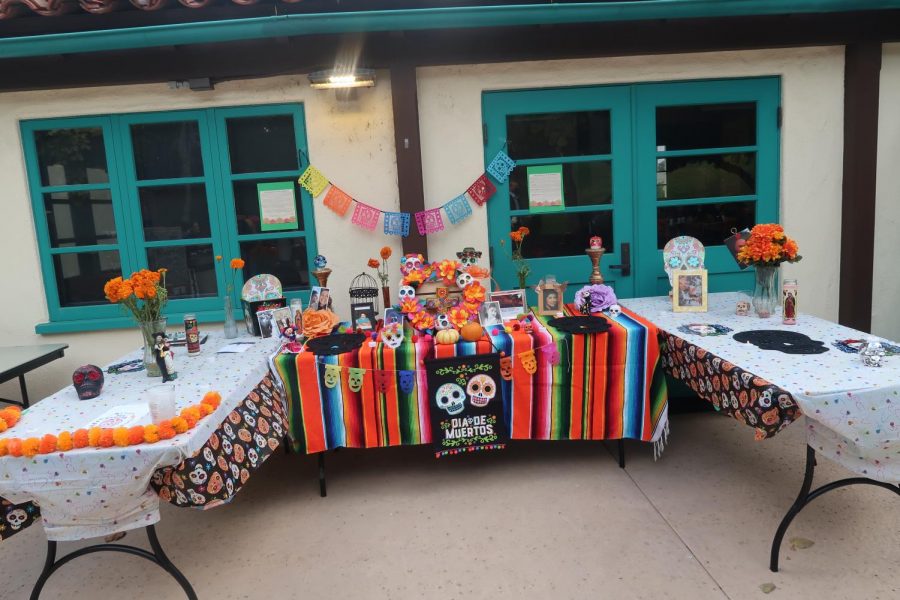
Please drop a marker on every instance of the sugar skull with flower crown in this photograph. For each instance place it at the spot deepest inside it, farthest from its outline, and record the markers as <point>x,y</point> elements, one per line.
<point>412,262</point>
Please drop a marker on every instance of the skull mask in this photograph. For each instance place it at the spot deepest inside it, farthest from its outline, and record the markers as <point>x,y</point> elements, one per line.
<point>406,292</point>
<point>443,321</point>
<point>88,381</point>
<point>411,262</point>
<point>481,390</point>
<point>452,398</point>
<point>463,280</point>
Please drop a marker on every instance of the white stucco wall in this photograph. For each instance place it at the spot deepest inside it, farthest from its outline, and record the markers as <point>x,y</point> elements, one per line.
<point>811,139</point>
<point>353,142</point>
<point>886,287</point>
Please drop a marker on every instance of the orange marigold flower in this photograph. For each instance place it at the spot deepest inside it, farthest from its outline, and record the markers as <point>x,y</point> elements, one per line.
<point>166,431</point>
<point>190,422</point>
<point>117,289</point>
<point>64,441</point>
<point>48,444</point>
<point>107,439</point>
<point>151,434</point>
<point>94,436</point>
<point>80,438</point>
<point>145,291</point>
<point>120,436</point>
<point>212,398</point>
<point>373,263</point>
<point>3,447</point>
<point>192,411</point>
<point>475,292</point>
<point>14,447</point>
<point>135,435</point>
<point>218,257</point>
<point>11,415</point>
<point>237,263</point>
<point>205,410</point>
<point>459,316</point>
<point>3,426</point>
<point>30,447</point>
<point>385,252</point>
<point>516,236</point>
<point>180,424</point>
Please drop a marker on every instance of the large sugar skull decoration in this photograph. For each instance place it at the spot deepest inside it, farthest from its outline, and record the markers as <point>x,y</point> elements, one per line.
<point>88,381</point>
<point>412,262</point>
<point>451,398</point>
<point>481,390</point>
<point>469,256</point>
<point>392,335</point>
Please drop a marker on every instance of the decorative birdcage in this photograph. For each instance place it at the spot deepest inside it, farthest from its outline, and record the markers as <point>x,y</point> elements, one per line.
<point>364,289</point>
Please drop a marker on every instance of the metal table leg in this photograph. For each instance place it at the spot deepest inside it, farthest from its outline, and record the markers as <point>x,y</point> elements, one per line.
<point>24,390</point>
<point>621,445</point>
<point>805,497</point>
<point>322,492</point>
<point>51,565</point>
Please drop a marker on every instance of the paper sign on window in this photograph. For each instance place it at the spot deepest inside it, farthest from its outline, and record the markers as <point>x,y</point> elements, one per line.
<point>277,206</point>
<point>545,188</point>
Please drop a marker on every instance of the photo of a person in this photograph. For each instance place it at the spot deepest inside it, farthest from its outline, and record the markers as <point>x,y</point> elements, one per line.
<point>324,298</point>
<point>363,315</point>
<point>551,299</point>
<point>489,314</point>
<point>314,297</point>
<point>690,290</point>
<point>266,323</point>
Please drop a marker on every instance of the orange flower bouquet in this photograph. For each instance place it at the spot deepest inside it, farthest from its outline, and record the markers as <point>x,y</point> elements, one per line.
<point>522,268</point>
<point>230,327</point>
<point>144,295</point>
<point>766,249</point>
<point>381,270</point>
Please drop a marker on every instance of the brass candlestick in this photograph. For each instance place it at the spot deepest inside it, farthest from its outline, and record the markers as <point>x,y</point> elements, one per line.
<point>322,276</point>
<point>595,254</point>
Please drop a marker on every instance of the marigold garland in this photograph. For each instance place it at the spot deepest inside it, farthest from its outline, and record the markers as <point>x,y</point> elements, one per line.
<point>95,437</point>
<point>9,416</point>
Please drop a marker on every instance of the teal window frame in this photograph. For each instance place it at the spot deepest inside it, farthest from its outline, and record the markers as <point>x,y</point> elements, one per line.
<point>124,191</point>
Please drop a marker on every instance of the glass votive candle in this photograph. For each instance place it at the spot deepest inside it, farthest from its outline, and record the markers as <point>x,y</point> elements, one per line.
<point>161,399</point>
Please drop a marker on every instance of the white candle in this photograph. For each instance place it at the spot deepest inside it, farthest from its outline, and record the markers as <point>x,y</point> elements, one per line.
<point>161,399</point>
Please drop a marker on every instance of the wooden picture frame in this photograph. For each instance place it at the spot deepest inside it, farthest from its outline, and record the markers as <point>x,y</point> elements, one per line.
<point>550,298</point>
<point>689,290</point>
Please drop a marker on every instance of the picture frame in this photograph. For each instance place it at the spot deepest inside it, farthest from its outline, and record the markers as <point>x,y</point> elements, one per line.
<point>324,298</point>
<point>391,316</point>
<point>512,303</point>
<point>689,290</point>
<point>550,297</point>
<point>365,311</point>
<point>266,320</point>
<point>490,314</point>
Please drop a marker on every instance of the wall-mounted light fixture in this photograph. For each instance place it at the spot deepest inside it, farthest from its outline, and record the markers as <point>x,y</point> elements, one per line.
<point>334,79</point>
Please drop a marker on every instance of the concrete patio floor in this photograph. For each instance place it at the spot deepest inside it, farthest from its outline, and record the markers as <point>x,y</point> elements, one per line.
<point>540,520</point>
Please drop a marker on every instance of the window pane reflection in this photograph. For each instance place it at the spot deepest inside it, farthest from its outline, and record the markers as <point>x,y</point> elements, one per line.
<point>706,126</point>
<point>706,176</point>
<point>80,218</point>
<point>584,184</point>
<point>709,223</point>
<point>558,134</point>
<point>246,205</point>
<point>259,144</point>
<point>167,150</point>
<point>191,269</point>
<point>285,258</point>
<point>563,234</point>
<point>71,156</point>
<point>174,212</point>
<point>80,277</point>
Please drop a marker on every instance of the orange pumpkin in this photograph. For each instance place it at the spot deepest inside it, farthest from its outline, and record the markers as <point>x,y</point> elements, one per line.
<point>472,331</point>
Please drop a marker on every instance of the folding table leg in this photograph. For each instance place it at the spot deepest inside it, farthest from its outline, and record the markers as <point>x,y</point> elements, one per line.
<point>24,390</point>
<point>621,445</point>
<point>322,492</point>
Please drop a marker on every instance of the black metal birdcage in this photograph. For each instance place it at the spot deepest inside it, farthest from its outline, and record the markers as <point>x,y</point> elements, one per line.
<point>364,289</point>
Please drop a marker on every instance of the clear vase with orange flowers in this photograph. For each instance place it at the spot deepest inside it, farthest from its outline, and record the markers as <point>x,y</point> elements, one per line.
<point>143,295</point>
<point>381,270</point>
<point>522,268</point>
<point>766,249</point>
<point>231,330</point>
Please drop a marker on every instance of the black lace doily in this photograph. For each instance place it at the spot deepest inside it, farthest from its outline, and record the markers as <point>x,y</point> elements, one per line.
<point>580,325</point>
<point>336,343</point>
<point>789,342</point>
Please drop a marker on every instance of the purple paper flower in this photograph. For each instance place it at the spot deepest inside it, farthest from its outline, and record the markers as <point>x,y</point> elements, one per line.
<point>594,298</point>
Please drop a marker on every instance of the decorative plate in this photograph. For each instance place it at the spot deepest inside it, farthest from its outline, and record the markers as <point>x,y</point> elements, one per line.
<point>853,346</point>
<point>336,343</point>
<point>261,287</point>
<point>683,252</point>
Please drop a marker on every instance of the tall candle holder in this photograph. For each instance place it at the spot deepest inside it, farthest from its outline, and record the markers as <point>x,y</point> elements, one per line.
<point>595,254</point>
<point>321,276</point>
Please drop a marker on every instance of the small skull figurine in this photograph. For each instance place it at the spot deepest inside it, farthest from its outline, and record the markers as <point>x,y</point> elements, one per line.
<point>468,257</point>
<point>463,280</point>
<point>743,308</point>
<point>407,292</point>
<point>88,381</point>
<point>872,353</point>
<point>320,261</point>
<point>615,310</point>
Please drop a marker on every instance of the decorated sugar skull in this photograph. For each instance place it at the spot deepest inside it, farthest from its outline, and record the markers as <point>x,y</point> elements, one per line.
<point>16,518</point>
<point>229,486</point>
<point>392,335</point>
<point>463,280</point>
<point>468,257</point>
<point>595,243</point>
<point>442,321</point>
<point>208,454</point>
<point>407,292</point>
<point>615,310</point>
<point>320,261</point>
<point>197,498</point>
<point>481,390</point>
<point>88,381</point>
<point>226,446</point>
<point>412,262</point>
<point>451,398</point>
<point>198,476</point>
<point>253,456</point>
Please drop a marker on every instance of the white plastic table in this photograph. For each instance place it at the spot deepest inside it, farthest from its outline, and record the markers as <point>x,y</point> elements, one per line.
<point>16,361</point>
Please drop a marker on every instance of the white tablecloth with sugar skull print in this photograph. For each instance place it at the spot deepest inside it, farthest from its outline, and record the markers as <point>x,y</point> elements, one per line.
<point>94,492</point>
<point>852,411</point>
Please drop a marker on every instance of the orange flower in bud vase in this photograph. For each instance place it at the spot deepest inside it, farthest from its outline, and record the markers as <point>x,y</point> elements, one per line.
<point>373,263</point>
<point>386,252</point>
<point>237,263</point>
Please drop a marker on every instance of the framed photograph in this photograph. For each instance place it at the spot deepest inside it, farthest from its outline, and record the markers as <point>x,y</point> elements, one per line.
<point>490,314</point>
<point>314,297</point>
<point>689,290</point>
<point>324,298</point>
<point>297,309</point>
<point>550,298</point>
<point>362,314</point>
<point>512,303</point>
<point>391,316</point>
<point>266,320</point>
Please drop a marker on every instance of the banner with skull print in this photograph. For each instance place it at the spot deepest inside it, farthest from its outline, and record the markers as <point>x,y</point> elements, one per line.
<point>465,403</point>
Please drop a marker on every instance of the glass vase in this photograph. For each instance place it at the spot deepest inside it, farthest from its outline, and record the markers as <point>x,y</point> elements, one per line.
<point>231,329</point>
<point>149,331</point>
<point>765,291</point>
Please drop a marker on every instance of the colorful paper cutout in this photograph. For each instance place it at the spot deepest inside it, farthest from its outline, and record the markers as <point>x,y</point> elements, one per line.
<point>429,221</point>
<point>501,167</point>
<point>365,216</point>
<point>313,181</point>
<point>396,223</point>
<point>482,190</point>
<point>338,200</point>
<point>458,209</point>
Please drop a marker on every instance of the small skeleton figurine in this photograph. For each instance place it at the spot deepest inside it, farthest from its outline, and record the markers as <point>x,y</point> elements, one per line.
<point>165,358</point>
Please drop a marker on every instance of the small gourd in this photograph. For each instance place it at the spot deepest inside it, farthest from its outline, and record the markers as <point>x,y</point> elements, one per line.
<point>446,336</point>
<point>472,331</point>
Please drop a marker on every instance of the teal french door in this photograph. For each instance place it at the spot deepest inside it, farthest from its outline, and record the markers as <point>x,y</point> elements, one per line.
<point>641,164</point>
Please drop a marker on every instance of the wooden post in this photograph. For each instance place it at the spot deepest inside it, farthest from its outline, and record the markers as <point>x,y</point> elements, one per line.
<point>405,98</point>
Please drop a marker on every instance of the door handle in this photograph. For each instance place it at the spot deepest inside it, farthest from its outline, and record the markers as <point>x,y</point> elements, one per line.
<point>625,267</point>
